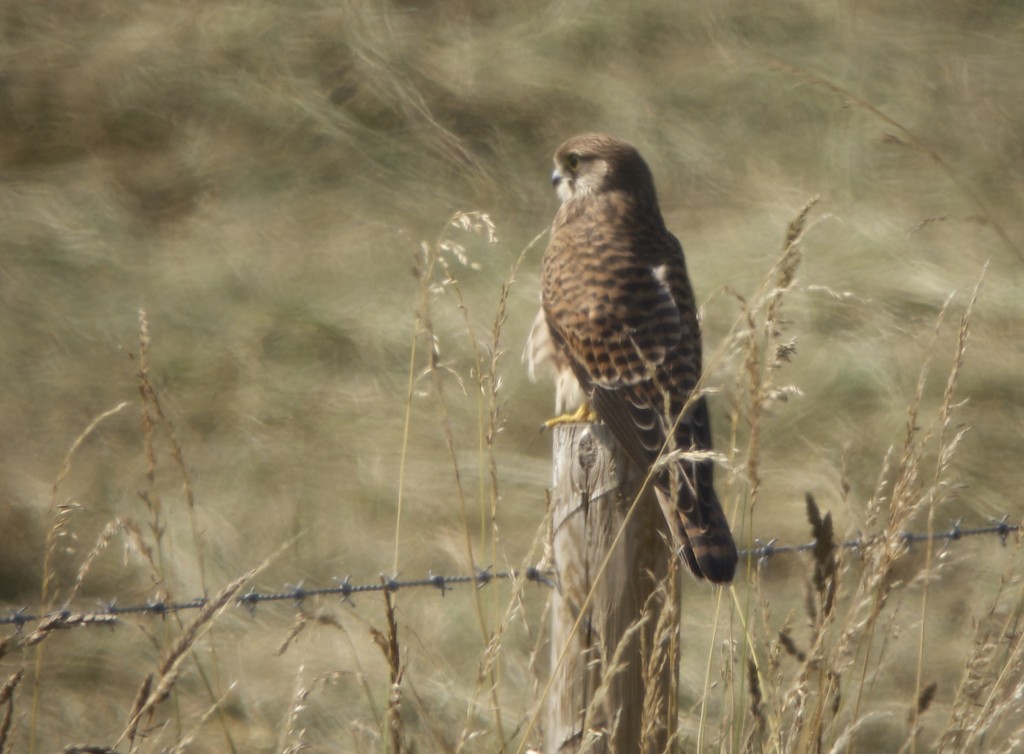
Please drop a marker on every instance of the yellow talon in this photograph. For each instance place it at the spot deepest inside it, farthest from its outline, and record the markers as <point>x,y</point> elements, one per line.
<point>583,415</point>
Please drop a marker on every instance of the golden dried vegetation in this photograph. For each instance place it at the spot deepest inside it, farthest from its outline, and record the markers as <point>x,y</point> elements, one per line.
<point>302,200</point>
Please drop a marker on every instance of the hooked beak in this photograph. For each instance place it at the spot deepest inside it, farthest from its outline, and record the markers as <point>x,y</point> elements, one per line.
<point>563,185</point>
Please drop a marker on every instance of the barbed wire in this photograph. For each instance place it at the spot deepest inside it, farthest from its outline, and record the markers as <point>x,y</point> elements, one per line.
<point>956,532</point>
<point>110,613</point>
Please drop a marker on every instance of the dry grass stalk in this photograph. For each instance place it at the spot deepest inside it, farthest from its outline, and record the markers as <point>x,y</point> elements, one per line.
<point>62,620</point>
<point>436,277</point>
<point>182,744</point>
<point>807,710</point>
<point>754,739</point>
<point>485,372</point>
<point>991,686</point>
<point>491,414</point>
<point>875,585</point>
<point>946,449</point>
<point>65,510</point>
<point>7,702</point>
<point>661,675</point>
<point>153,415</point>
<point>757,340</point>
<point>136,709</point>
<point>302,620</point>
<point>55,533</point>
<point>996,635</point>
<point>825,564</point>
<point>291,738</point>
<point>814,699</point>
<point>102,541</point>
<point>159,684</point>
<point>389,647</point>
<point>757,336</point>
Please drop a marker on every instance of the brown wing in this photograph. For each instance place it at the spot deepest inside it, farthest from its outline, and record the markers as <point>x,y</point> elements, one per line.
<point>627,323</point>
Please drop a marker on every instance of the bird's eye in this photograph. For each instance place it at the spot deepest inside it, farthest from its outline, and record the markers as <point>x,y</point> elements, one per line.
<point>573,160</point>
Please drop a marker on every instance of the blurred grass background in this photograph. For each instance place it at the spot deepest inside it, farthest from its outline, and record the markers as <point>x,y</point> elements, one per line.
<point>259,176</point>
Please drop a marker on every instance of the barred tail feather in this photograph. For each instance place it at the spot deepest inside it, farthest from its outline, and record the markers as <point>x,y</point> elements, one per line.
<point>706,547</point>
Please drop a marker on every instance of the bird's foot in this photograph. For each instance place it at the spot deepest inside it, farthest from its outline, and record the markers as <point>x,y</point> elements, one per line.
<point>583,415</point>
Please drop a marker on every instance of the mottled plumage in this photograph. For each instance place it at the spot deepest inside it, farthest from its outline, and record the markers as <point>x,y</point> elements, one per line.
<point>618,315</point>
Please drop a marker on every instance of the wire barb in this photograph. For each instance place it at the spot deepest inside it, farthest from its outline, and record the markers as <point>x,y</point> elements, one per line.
<point>483,577</point>
<point>344,589</point>
<point>438,581</point>
<point>1003,528</point>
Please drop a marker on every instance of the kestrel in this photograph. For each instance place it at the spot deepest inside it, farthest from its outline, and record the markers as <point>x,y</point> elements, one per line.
<point>619,324</point>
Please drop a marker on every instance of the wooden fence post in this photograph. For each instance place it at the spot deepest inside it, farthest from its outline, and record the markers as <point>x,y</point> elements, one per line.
<point>614,689</point>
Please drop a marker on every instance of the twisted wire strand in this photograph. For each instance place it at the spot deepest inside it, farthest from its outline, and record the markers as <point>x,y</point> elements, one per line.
<point>109,612</point>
